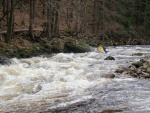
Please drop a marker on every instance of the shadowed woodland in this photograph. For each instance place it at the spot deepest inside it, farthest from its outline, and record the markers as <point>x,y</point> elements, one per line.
<point>103,19</point>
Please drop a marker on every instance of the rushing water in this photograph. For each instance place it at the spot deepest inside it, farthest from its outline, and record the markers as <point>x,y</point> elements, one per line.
<point>73,83</point>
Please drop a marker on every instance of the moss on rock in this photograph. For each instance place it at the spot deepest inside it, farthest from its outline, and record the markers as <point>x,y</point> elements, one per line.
<point>77,48</point>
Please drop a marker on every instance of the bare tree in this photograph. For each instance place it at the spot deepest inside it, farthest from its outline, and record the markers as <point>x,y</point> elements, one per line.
<point>53,18</point>
<point>4,5</point>
<point>81,20</point>
<point>49,36</point>
<point>10,21</point>
<point>31,20</point>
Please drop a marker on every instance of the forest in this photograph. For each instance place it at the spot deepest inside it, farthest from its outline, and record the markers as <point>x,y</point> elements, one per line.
<point>74,56</point>
<point>110,22</point>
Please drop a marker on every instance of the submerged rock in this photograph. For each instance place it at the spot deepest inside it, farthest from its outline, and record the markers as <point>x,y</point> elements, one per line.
<point>137,54</point>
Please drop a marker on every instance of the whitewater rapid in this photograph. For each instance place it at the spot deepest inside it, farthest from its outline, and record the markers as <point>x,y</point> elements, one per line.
<point>48,82</point>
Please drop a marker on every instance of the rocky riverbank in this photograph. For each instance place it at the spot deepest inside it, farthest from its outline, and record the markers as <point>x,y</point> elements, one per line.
<point>139,69</point>
<point>22,47</point>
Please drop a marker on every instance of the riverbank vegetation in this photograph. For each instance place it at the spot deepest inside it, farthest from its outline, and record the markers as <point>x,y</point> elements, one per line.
<point>37,27</point>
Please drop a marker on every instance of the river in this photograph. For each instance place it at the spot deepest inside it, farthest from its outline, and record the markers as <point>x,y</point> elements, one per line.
<point>72,83</point>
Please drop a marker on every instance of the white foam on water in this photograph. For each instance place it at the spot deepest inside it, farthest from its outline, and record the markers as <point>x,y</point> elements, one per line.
<point>61,79</point>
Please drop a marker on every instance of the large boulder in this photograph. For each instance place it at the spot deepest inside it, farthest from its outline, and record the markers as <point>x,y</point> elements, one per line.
<point>57,45</point>
<point>77,48</point>
<point>4,60</point>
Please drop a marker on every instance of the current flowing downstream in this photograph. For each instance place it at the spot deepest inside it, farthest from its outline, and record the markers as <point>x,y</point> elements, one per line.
<point>46,83</point>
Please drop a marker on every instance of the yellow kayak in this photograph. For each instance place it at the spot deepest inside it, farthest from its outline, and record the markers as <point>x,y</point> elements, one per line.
<point>102,49</point>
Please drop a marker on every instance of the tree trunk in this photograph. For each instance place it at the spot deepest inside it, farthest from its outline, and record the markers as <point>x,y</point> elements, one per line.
<point>34,9</point>
<point>52,19</point>
<point>4,6</point>
<point>84,18</point>
<point>94,16</point>
<point>10,21</point>
<point>56,22</point>
<point>44,5</point>
<point>78,18</point>
<point>31,21</point>
<point>48,20</point>
<point>69,14</point>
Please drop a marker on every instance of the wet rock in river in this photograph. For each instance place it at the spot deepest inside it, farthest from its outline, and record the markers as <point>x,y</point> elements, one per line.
<point>108,75</point>
<point>132,68</point>
<point>145,65</point>
<point>138,64</point>
<point>137,54</point>
<point>109,58</point>
<point>4,60</point>
<point>145,75</point>
<point>148,69</point>
<point>140,69</point>
<point>134,74</point>
<point>119,70</point>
